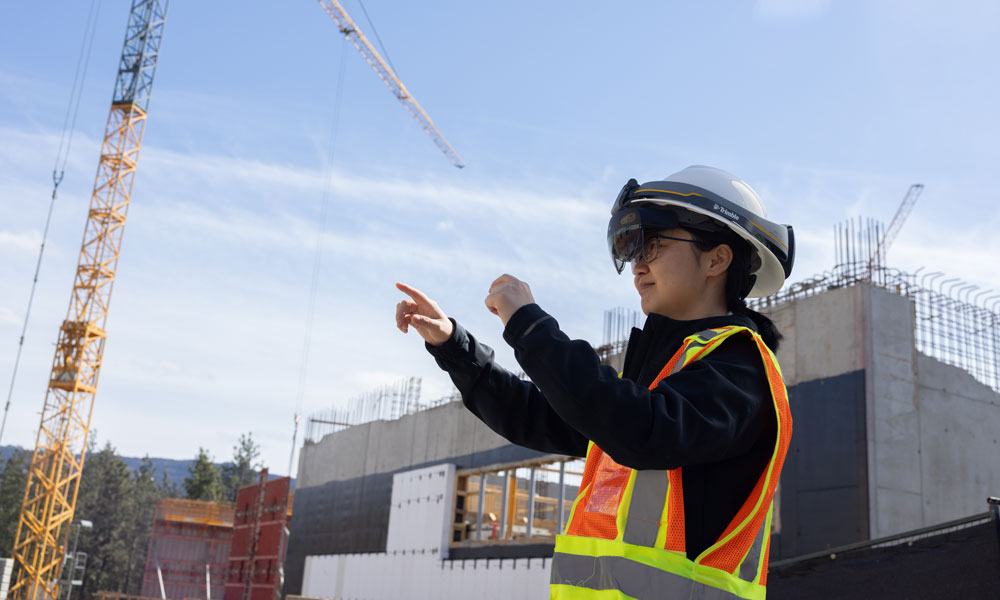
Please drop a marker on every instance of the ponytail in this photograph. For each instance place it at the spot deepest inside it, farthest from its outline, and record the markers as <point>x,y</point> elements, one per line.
<point>739,282</point>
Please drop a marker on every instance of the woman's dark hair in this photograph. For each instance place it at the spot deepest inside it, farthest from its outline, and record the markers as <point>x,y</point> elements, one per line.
<point>739,281</point>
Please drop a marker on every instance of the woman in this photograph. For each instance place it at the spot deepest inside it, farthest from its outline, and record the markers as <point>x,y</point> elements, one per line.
<point>685,447</point>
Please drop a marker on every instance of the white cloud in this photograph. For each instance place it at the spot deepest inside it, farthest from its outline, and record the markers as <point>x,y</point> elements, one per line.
<point>27,242</point>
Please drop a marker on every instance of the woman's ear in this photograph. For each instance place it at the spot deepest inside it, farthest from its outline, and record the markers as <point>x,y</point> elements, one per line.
<point>719,259</point>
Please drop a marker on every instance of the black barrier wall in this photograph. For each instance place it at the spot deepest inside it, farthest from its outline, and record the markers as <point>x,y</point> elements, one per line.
<point>824,483</point>
<point>962,563</point>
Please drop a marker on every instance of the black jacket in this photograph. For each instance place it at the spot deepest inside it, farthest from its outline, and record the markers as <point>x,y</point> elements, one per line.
<point>714,418</point>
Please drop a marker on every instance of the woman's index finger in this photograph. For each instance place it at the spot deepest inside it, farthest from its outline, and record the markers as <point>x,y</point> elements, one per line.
<point>413,292</point>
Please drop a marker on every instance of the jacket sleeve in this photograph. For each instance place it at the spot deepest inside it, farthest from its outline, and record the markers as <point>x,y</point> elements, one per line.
<point>510,406</point>
<point>711,410</point>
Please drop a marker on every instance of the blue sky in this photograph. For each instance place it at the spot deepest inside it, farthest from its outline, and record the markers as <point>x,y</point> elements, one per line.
<point>830,110</point>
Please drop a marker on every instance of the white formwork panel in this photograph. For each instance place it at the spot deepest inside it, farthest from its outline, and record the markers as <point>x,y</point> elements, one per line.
<point>465,582</point>
<point>482,576</point>
<point>320,576</point>
<point>538,578</point>
<point>419,514</point>
<point>448,580</point>
<point>511,578</point>
<point>494,587</point>
<point>519,576</point>
<point>435,578</point>
<point>385,576</point>
<point>425,578</point>
<point>398,576</point>
<point>6,568</point>
<point>356,570</point>
<point>347,587</point>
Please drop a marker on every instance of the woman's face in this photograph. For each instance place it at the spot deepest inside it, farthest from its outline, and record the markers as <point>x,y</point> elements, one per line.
<point>673,284</point>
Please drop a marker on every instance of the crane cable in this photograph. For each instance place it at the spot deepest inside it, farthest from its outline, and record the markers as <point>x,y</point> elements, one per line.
<point>377,38</point>
<point>58,171</point>
<point>318,255</point>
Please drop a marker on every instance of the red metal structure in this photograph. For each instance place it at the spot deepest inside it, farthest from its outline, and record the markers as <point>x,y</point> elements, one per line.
<point>188,550</point>
<point>260,538</point>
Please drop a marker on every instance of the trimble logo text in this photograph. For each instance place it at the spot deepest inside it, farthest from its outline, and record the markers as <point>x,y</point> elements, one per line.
<point>726,211</point>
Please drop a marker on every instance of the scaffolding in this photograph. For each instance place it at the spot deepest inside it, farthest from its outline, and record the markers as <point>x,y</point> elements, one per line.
<point>387,403</point>
<point>618,324</point>
<point>260,540</point>
<point>188,549</point>
<point>955,322</point>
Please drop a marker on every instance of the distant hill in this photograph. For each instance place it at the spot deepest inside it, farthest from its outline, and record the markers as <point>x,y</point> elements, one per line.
<point>176,470</point>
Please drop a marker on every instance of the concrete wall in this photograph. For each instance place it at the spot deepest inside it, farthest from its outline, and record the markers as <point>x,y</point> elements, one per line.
<point>436,435</point>
<point>958,425</point>
<point>894,479</point>
<point>930,428</point>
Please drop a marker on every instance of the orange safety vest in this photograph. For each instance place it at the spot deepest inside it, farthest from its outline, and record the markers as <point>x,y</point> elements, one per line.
<point>625,533</point>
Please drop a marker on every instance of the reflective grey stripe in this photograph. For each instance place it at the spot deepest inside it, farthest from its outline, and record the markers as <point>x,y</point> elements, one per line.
<point>631,578</point>
<point>649,495</point>
<point>706,335</point>
<point>748,570</point>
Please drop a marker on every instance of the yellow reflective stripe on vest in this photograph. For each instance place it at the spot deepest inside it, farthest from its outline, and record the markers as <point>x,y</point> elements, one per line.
<point>628,578</point>
<point>584,567</point>
<point>769,473</point>
<point>750,567</point>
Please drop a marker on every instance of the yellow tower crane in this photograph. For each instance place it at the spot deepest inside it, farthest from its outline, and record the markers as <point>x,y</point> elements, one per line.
<point>61,445</point>
<point>386,74</point>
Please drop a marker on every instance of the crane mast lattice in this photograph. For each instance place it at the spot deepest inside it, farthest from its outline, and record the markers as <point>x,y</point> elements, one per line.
<point>386,74</point>
<point>56,464</point>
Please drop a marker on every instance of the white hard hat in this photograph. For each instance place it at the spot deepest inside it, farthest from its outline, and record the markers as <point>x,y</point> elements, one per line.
<point>704,198</point>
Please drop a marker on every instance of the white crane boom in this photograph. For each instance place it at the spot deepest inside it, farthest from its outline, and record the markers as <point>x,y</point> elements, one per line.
<point>386,74</point>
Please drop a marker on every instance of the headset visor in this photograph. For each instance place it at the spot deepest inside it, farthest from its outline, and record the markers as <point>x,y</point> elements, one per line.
<point>627,229</point>
<point>777,239</point>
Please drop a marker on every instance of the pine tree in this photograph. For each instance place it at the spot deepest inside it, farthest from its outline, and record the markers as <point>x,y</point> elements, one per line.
<point>140,510</point>
<point>243,470</point>
<point>168,488</point>
<point>105,491</point>
<point>13,479</point>
<point>204,481</point>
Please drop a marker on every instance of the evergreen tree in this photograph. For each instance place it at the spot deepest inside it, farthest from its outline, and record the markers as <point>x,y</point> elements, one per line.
<point>168,488</point>
<point>140,510</point>
<point>204,481</point>
<point>104,498</point>
<point>243,470</point>
<point>13,478</point>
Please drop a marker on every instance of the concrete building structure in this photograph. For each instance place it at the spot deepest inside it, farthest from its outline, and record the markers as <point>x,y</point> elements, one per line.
<point>886,439</point>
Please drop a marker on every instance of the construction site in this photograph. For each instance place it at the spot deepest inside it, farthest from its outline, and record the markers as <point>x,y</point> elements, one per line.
<point>890,487</point>
<point>891,473</point>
